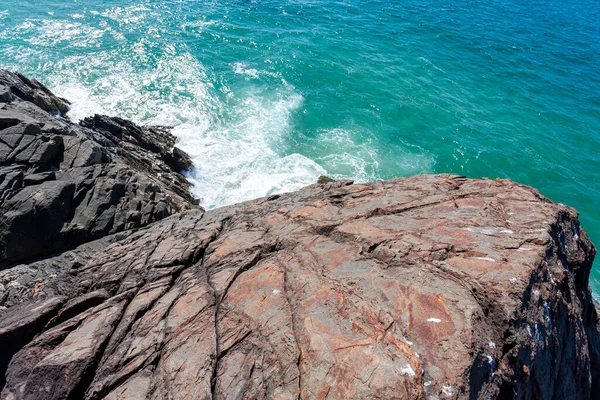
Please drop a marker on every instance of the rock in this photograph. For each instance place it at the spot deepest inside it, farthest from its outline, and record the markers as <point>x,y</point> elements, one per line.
<point>6,95</point>
<point>181,159</point>
<point>146,149</point>
<point>79,205</point>
<point>32,91</point>
<point>80,152</point>
<point>422,287</point>
<point>51,276</point>
<point>21,323</point>
<point>63,184</point>
<point>115,286</point>
<point>69,350</point>
<point>324,179</point>
<point>78,305</point>
<point>34,217</point>
<point>11,179</point>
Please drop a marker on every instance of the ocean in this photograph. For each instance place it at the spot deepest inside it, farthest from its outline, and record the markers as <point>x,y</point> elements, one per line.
<point>268,95</point>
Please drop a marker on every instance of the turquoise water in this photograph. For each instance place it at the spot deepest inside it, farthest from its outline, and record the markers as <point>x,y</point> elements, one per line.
<point>267,95</point>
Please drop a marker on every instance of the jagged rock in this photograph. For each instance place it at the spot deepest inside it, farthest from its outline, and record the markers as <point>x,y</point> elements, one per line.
<point>181,159</point>
<point>80,152</point>
<point>34,217</point>
<point>51,276</point>
<point>32,91</point>
<point>63,184</point>
<point>6,95</point>
<point>423,287</point>
<point>160,158</point>
<point>324,179</point>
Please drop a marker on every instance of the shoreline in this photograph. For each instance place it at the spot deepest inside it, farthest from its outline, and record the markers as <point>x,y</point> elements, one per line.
<point>114,283</point>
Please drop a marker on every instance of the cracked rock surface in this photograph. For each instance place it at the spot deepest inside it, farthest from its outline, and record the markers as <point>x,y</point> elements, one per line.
<point>423,287</point>
<point>429,287</point>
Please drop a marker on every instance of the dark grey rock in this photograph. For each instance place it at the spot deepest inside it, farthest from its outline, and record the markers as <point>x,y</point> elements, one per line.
<point>34,217</point>
<point>182,159</point>
<point>11,179</point>
<point>33,91</point>
<point>65,184</point>
<point>36,179</point>
<point>6,95</point>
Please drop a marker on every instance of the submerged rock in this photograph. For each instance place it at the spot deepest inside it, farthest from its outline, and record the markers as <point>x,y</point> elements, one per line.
<point>433,286</point>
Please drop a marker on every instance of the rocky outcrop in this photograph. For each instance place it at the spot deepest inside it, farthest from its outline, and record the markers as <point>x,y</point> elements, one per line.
<point>426,287</point>
<point>63,184</point>
<point>14,85</point>
<point>430,287</point>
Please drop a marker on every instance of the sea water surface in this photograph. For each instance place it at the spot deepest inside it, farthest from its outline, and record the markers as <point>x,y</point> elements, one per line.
<point>268,95</point>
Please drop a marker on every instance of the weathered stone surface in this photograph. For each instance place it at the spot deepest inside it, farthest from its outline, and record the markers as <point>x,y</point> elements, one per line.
<point>63,184</point>
<point>430,287</point>
<point>423,287</point>
<point>21,323</point>
<point>50,276</point>
<point>181,159</point>
<point>56,364</point>
<point>31,90</point>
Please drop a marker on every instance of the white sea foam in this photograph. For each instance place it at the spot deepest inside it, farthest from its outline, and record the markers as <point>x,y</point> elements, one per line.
<point>342,152</point>
<point>237,125</point>
<point>242,69</point>
<point>76,34</point>
<point>232,137</point>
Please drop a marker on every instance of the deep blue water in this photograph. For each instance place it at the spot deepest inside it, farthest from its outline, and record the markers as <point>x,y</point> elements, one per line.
<point>267,95</point>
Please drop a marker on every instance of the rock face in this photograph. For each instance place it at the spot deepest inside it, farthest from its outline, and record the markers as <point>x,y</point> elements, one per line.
<point>63,184</point>
<point>430,287</point>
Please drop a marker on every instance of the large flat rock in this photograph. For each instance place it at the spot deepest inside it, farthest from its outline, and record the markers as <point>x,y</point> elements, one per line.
<point>430,287</point>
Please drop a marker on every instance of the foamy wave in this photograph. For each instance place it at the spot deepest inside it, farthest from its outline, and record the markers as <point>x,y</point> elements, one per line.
<point>232,134</point>
<point>237,159</point>
<point>235,123</point>
<point>52,33</point>
<point>175,91</point>
<point>346,155</point>
<point>241,69</point>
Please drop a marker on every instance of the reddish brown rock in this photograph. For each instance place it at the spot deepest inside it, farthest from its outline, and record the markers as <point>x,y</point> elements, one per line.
<point>417,288</point>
